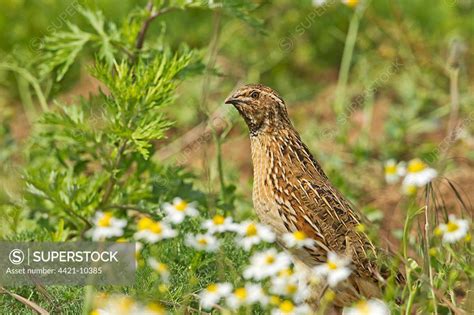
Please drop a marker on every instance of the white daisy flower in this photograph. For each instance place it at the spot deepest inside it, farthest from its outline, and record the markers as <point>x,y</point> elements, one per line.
<point>106,226</point>
<point>297,239</point>
<point>153,231</point>
<point>266,263</point>
<point>305,275</point>
<point>370,307</point>
<point>219,224</point>
<point>286,286</point>
<point>213,293</point>
<point>454,230</point>
<point>418,175</point>
<point>335,270</point>
<point>206,242</point>
<point>248,295</point>
<point>253,233</point>
<point>288,308</point>
<point>160,268</point>
<point>394,171</point>
<point>179,209</point>
<point>288,283</point>
<point>124,305</point>
<point>116,305</point>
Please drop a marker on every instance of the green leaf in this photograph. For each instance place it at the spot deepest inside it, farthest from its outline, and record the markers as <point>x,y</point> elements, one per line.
<point>138,92</point>
<point>97,21</point>
<point>61,50</point>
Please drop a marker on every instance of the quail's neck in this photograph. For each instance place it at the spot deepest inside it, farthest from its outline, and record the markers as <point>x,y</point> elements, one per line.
<point>267,146</point>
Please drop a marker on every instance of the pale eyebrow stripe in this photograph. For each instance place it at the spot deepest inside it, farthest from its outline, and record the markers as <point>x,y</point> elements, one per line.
<point>271,94</point>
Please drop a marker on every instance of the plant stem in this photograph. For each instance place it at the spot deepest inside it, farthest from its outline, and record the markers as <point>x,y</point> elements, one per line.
<point>411,214</point>
<point>146,24</point>
<point>368,109</point>
<point>455,59</point>
<point>203,110</point>
<point>141,35</point>
<point>346,60</point>
<point>26,99</point>
<point>31,80</point>
<point>112,179</point>
<point>220,168</point>
<point>454,93</point>
<point>427,247</point>
<point>411,298</point>
<point>139,45</point>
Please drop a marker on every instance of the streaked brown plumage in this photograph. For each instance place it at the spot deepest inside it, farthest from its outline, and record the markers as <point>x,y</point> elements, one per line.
<point>292,193</point>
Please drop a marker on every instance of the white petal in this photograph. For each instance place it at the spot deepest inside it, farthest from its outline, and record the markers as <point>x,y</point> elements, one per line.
<point>192,212</point>
<point>177,200</point>
<point>378,307</point>
<point>336,276</point>
<point>321,270</point>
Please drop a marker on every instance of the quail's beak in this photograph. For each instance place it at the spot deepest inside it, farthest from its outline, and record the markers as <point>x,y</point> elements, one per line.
<point>232,100</point>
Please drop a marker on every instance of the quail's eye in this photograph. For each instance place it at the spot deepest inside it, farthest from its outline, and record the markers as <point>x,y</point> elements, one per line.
<point>254,94</point>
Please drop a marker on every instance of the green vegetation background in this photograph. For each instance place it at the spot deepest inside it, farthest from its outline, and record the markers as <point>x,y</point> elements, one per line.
<point>288,45</point>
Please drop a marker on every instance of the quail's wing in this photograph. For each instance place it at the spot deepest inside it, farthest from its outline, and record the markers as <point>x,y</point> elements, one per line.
<point>315,207</point>
<point>324,208</point>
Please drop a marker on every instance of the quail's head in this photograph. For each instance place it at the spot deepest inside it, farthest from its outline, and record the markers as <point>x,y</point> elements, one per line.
<point>261,107</point>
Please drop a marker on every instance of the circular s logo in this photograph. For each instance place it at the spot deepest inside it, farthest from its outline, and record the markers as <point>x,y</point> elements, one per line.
<point>16,256</point>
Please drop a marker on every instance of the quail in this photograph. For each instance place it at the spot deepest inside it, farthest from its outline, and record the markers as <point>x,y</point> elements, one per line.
<point>292,193</point>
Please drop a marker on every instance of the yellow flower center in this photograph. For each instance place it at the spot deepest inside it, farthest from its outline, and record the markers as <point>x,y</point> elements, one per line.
<point>351,3</point>
<point>287,307</point>
<point>218,220</point>
<point>155,308</point>
<point>275,300</point>
<point>104,221</point>
<point>181,206</point>
<point>291,289</point>
<point>125,303</point>
<point>416,165</point>
<point>202,241</point>
<point>363,307</point>
<point>241,293</point>
<point>452,226</point>
<point>212,288</point>
<point>331,265</point>
<point>270,259</point>
<point>144,223</point>
<point>94,312</point>
<point>300,236</point>
<point>390,169</point>
<point>251,230</point>
<point>161,268</point>
<point>285,272</point>
<point>156,228</point>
